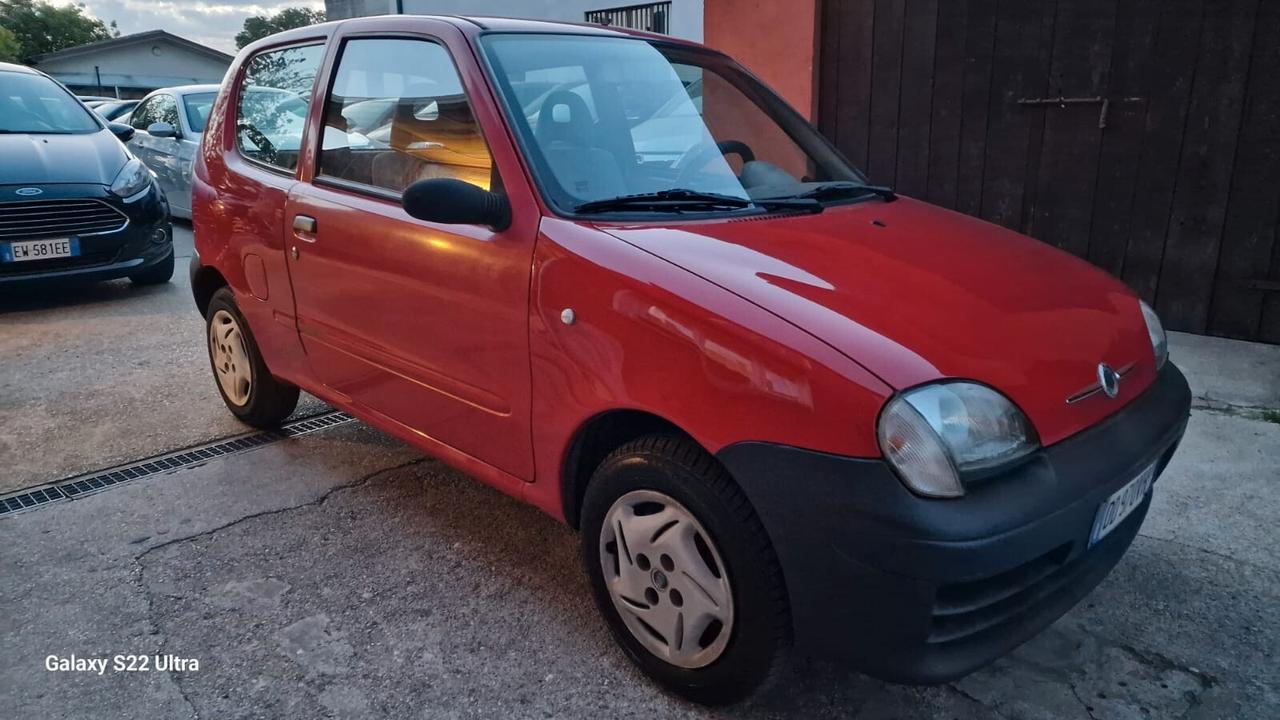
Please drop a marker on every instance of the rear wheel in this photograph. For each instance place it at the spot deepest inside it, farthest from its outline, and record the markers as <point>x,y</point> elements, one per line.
<point>247,387</point>
<point>682,570</point>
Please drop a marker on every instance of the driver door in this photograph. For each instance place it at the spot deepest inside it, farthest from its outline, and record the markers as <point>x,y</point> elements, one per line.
<point>425,324</point>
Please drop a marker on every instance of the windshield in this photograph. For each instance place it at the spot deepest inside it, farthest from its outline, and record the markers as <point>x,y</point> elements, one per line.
<point>197,107</point>
<point>35,104</point>
<point>114,110</point>
<point>605,117</point>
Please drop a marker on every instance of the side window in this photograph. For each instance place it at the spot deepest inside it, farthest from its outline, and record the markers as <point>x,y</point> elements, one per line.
<point>274,95</point>
<point>166,110</point>
<point>397,114</point>
<point>143,114</point>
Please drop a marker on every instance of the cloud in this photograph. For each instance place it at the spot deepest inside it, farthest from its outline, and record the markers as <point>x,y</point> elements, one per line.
<point>209,23</point>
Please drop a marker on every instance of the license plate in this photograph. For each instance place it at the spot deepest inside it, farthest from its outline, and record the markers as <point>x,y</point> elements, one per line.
<point>39,249</point>
<point>1116,508</point>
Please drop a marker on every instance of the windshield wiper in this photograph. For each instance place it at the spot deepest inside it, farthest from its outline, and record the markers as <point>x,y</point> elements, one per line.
<point>842,189</point>
<point>679,199</point>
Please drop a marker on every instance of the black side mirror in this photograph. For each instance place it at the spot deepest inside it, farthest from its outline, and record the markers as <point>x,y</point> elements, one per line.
<point>120,130</point>
<point>454,202</point>
<point>162,130</point>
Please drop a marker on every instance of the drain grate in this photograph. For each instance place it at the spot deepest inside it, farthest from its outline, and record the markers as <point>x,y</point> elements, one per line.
<point>302,426</point>
<point>99,480</point>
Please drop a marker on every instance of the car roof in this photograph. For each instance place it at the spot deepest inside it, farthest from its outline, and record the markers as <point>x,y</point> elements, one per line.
<point>186,89</point>
<point>469,25</point>
<point>11,67</point>
<point>528,25</point>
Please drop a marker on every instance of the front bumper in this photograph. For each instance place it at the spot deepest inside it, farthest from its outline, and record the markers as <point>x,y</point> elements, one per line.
<point>916,590</point>
<point>107,255</point>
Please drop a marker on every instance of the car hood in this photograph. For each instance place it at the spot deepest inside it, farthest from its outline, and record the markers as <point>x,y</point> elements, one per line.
<point>41,159</point>
<point>916,293</point>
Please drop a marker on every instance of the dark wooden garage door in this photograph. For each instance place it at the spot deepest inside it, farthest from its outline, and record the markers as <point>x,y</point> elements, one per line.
<point>1163,166</point>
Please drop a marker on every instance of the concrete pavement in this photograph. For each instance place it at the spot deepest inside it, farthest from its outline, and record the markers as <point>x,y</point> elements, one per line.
<point>105,373</point>
<point>1232,375</point>
<point>341,574</point>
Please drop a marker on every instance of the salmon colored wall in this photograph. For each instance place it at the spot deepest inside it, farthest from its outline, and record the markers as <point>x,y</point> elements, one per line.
<point>775,39</point>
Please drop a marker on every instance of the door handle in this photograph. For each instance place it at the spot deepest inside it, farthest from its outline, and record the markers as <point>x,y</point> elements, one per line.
<point>304,223</point>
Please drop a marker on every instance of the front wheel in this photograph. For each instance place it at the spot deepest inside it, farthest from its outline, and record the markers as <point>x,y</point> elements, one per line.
<point>247,387</point>
<point>683,571</point>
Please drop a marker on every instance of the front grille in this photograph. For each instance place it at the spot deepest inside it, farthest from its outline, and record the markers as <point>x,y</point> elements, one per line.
<point>43,219</point>
<point>973,608</point>
<point>966,608</point>
<point>969,610</point>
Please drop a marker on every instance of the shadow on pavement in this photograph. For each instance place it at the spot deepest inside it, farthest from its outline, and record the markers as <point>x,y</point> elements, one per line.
<point>59,295</point>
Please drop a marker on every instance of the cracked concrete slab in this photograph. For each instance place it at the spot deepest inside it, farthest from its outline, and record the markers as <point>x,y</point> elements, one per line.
<point>424,594</point>
<point>71,579</point>
<point>342,575</point>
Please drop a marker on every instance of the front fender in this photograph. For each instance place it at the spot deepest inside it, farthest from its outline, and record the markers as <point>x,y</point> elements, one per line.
<point>648,335</point>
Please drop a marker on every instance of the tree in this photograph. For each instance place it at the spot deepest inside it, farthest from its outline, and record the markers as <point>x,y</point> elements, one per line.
<point>260,26</point>
<point>39,27</point>
<point>10,51</point>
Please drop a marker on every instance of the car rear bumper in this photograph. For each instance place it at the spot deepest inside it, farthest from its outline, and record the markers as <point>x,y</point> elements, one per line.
<point>145,239</point>
<point>924,591</point>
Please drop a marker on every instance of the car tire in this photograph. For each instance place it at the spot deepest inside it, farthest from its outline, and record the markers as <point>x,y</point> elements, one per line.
<point>243,380</point>
<point>701,507</point>
<point>158,274</point>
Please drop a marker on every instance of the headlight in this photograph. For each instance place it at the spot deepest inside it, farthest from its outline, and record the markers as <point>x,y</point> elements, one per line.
<point>131,179</point>
<point>1159,341</point>
<point>935,434</point>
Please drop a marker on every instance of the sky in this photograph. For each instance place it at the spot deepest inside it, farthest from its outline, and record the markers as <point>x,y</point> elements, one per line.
<point>208,22</point>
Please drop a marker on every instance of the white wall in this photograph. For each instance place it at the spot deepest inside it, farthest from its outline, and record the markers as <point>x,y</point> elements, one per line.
<point>149,64</point>
<point>686,15</point>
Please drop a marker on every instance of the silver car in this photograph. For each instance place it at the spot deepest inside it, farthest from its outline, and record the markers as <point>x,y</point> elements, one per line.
<point>169,124</point>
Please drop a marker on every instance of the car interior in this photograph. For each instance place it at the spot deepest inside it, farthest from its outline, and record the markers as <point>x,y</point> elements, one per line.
<point>630,121</point>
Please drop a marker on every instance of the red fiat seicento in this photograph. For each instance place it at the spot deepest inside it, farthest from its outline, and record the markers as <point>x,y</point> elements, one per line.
<point>615,276</point>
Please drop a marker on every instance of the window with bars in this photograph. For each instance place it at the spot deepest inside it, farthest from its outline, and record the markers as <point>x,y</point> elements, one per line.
<point>654,17</point>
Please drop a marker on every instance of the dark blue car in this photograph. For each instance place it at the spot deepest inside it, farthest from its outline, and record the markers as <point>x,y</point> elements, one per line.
<point>74,203</point>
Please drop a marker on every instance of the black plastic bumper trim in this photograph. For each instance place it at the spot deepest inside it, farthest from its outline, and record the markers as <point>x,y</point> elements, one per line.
<point>874,572</point>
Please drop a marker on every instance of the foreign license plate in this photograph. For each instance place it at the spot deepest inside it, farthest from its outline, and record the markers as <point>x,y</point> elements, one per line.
<point>1116,508</point>
<point>39,249</point>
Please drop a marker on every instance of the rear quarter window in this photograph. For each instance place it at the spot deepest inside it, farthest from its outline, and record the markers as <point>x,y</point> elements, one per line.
<point>275,93</point>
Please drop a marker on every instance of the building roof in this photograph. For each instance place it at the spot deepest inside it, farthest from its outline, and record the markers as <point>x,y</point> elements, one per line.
<point>123,40</point>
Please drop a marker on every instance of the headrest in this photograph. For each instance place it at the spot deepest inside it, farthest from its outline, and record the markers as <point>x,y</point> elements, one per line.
<point>564,117</point>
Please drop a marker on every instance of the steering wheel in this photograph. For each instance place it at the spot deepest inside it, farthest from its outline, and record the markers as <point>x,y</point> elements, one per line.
<point>696,157</point>
<point>265,146</point>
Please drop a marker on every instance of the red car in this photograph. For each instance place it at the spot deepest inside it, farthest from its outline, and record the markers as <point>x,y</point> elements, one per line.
<point>615,276</point>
